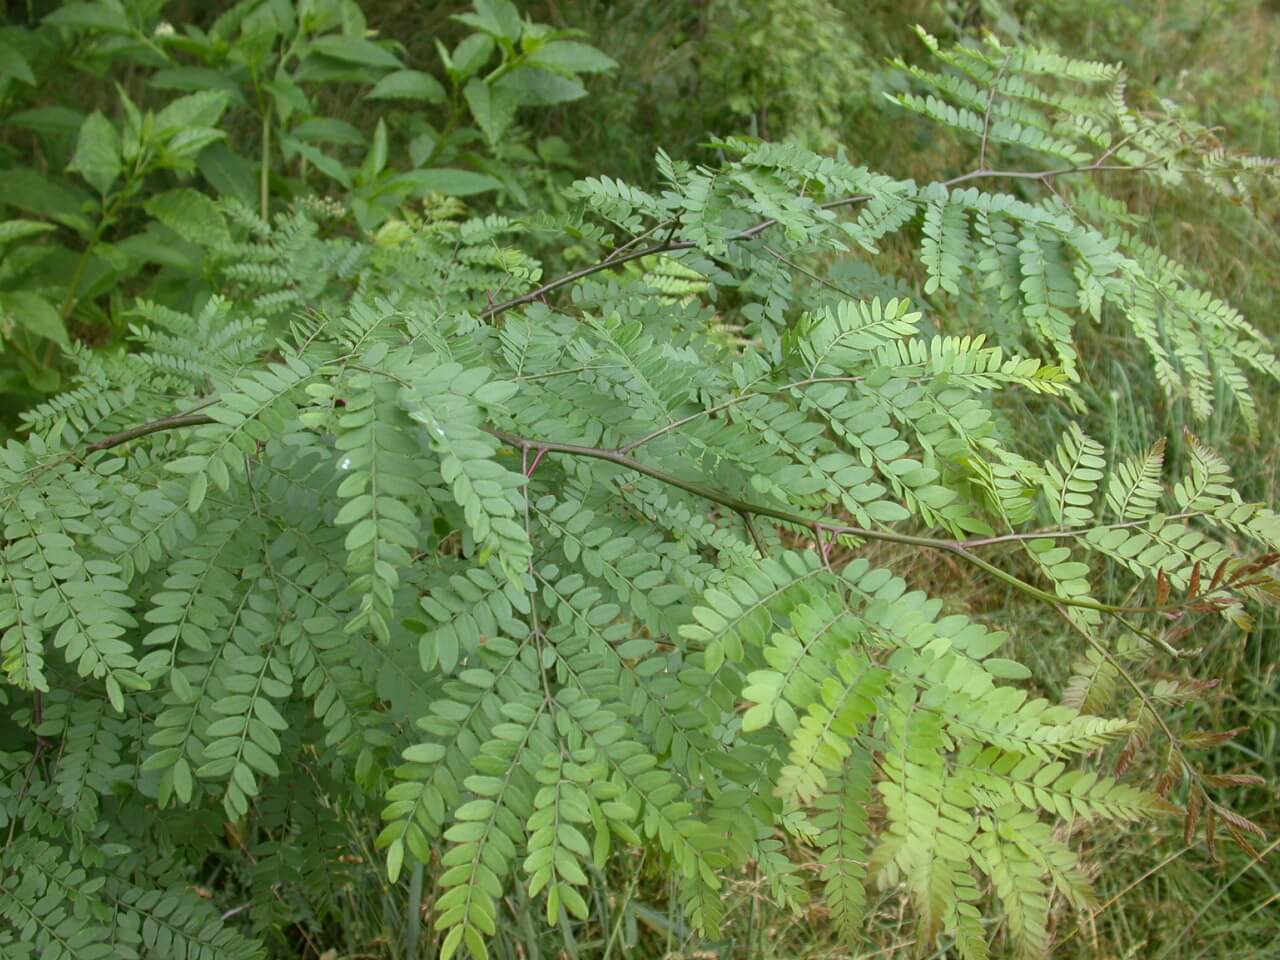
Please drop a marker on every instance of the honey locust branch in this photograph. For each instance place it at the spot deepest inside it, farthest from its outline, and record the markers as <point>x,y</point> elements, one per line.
<point>669,245</point>
<point>820,527</point>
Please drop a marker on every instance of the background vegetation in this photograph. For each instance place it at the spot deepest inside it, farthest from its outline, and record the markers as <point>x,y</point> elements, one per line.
<point>441,109</point>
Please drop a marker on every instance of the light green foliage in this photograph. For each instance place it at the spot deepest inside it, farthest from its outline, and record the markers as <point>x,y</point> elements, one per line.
<point>1044,269</point>
<point>540,575</point>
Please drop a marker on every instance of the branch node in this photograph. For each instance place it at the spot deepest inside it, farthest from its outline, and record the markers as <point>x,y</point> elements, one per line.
<point>824,543</point>
<point>755,534</point>
<point>537,459</point>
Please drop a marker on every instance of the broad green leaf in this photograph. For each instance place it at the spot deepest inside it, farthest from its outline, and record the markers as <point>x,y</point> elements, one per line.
<point>97,156</point>
<point>14,64</point>
<point>532,87</point>
<point>328,130</point>
<point>356,50</point>
<point>191,215</point>
<point>186,144</point>
<point>34,313</point>
<point>59,200</point>
<point>500,18</point>
<point>455,183</point>
<point>569,57</point>
<point>408,85</point>
<point>107,17</point>
<point>196,79</point>
<point>376,159</point>
<point>201,109</point>
<point>470,55</point>
<point>54,121</point>
<point>11,230</point>
<point>322,161</point>
<point>228,173</point>
<point>493,108</point>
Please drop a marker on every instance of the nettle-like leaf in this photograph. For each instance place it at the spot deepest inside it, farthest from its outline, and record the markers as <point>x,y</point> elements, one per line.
<point>539,573</point>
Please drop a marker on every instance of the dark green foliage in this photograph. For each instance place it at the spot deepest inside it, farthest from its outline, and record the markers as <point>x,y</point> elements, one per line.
<point>237,107</point>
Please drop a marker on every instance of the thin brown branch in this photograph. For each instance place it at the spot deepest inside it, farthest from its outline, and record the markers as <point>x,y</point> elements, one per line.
<point>815,277</point>
<point>755,534</point>
<point>986,118</point>
<point>620,251</point>
<point>538,292</point>
<point>1068,534</point>
<point>1133,684</point>
<point>745,508</point>
<point>819,526</point>
<point>677,424</point>
<point>668,245</point>
<point>175,422</point>
<point>731,402</point>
